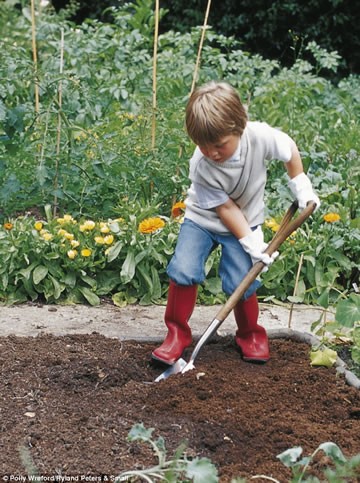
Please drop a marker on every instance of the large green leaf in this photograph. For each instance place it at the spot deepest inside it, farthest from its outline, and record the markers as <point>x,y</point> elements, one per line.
<point>90,296</point>
<point>39,274</point>
<point>348,311</point>
<point>114,251</point>
<point>128,268</point>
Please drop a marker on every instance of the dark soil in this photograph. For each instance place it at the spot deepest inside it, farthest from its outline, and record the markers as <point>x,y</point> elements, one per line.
<point>72,400</point>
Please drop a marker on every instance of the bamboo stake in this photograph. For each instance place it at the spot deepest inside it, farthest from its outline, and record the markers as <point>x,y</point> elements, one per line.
<point>295,288</point>
<point>34,52</point>
<point>200,47</point>
<point>154,102</point>
<point>58,134</point>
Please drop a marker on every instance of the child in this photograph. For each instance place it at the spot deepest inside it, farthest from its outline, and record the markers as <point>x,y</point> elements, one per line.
<point>225,206</point>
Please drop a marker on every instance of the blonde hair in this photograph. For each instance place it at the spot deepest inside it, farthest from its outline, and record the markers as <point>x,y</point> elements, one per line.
<point>214,110</point>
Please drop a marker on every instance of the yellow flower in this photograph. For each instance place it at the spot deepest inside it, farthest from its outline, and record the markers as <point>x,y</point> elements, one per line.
<point>99,240</point>
<point>272,224</point>
<point>69,218</point>
<point>150,225</point>
<point>72,254</point>
<point>109,239</point>
<point>86,252</point>
<point>331,217</point>
<point>8,226</point>
<point>61,232</point>
<point>68,236</point>
<point>104,227</point>
<point>74,243</point>
<point>47,236</point>
<point>178,209</point>
<point>87,226</point>
<point>38,225</point>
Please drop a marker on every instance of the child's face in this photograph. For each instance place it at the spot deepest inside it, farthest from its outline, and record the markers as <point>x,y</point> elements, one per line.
<point>221,150</point>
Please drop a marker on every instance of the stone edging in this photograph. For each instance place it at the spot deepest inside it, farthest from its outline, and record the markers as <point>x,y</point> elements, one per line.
<point>310,339</point>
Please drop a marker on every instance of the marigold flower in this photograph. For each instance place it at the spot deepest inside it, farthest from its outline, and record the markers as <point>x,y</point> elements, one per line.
<point>66,219</point>
<point>99,240</point>
<point>87,226</point>
<point>150,225</point>
<point>69,218</point>
<point>178,209</point>
<point>8,226</point>
<point>331,217</point>
<point>109,239</point>
<point>272,224</point>
<point>86,252</point>
<point>47,236</point>
<point>38,225</point>
<point>69,236</point>
<point>104,227</point>
<point>72,254</point>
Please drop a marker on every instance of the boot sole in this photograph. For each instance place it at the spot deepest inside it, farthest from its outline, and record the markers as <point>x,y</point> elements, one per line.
<point>255,361</point>
<point>162,361</point>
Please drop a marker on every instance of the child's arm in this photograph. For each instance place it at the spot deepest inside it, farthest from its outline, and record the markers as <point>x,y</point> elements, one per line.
<point>300,184</point>
<point>232,217</point>
<point>251,241</point>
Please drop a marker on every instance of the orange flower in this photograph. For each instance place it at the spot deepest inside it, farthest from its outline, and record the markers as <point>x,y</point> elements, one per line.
<point>8,226</point>
<point>150,225</point>
<point>178,209</point>
<point>331,217</point>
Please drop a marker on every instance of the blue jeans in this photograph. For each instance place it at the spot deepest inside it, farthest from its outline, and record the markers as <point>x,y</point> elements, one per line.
<point>195,244</point>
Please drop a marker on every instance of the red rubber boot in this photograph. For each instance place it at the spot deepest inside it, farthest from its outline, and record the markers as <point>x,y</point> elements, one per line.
<point>251,337</point>
<point>180,306</point>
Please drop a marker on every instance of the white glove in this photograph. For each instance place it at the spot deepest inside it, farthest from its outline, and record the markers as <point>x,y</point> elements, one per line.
<point>301,188</point>
<point>255,246</point>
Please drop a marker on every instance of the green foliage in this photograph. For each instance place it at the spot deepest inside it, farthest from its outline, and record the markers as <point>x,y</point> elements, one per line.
<point>179,468</point>
<point>66,261</point>
<point>300,466</point>
<point>276,30</point>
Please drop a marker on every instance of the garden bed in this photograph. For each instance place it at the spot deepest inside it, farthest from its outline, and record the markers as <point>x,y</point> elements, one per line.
<point>72,400</point>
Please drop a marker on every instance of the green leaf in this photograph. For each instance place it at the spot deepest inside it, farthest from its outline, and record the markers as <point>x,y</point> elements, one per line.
<point>114,251</point>
<point>138,431</point>
<point>323,300</point>
<point>202,470</point>
<point>326,357</point>
<point>348,311</point>
<point>90,281</point>
<point>119,299</point>
<point>128,268</point>
<point>58,288</point>
<point>290,456</point>
<point>333,451</point>
<point>156,291</point>
<point>90,296</point>
<point>39,274</point>
<point>26,272</point>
